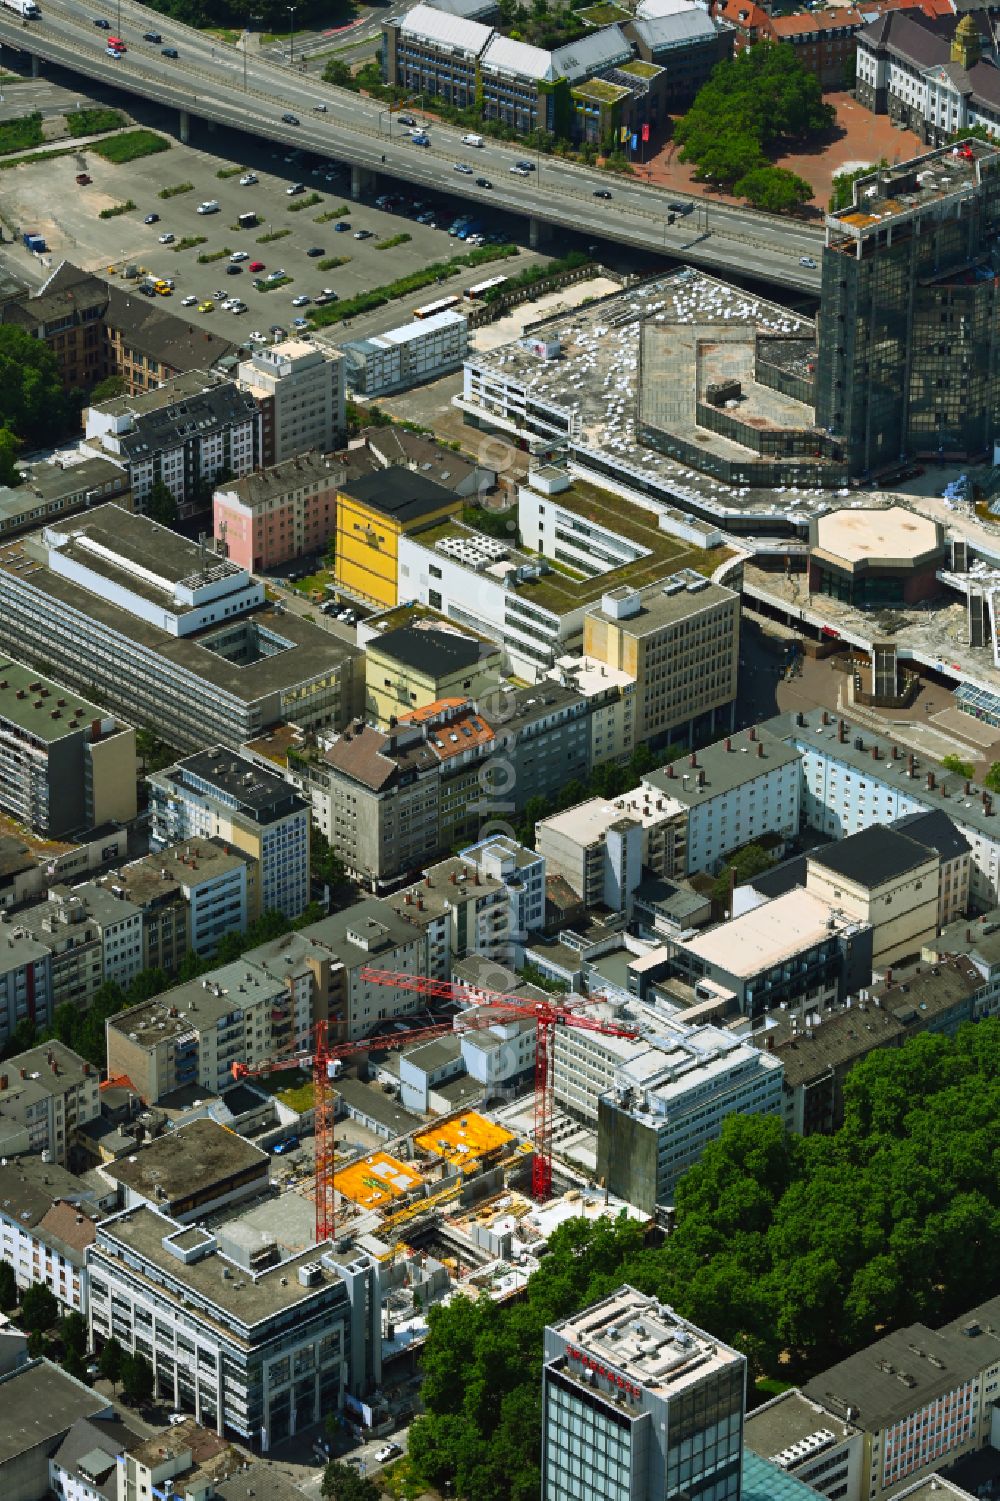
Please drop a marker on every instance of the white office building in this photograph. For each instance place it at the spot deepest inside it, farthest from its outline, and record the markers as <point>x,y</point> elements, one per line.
<point>299,389</point>
<point>852,778</point>
<point>671,1099</point>
<point>639,1404</point>
<point>734,791</point>
<point>409,355</point>
<point>256,1350</point>
<point>522,874</point>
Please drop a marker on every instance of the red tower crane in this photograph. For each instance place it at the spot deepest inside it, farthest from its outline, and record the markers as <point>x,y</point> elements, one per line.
<point>547,1015</point>
<point>320,1061</point>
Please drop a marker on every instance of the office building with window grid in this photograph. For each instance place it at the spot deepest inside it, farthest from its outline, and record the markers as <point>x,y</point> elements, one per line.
<point>908,363</point>
<point>637,1403</point>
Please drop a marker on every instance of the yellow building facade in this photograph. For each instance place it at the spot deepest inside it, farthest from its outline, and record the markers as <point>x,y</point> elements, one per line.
<point>416,665</point>
<point>372,514</point>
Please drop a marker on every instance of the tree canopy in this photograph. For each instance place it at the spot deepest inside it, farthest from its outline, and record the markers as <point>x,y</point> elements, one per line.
<point>753,102</point>
<point>343,1483</point>
<point>32,401</point>
<point>39,1308</point>
<point>795,1250</point>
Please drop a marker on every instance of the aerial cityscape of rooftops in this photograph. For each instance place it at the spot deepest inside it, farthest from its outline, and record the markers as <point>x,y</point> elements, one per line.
<point>499,750</point>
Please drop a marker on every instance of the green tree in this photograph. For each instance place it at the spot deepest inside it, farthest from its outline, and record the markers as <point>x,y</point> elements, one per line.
<point>8,1287</point>
<point>137,1379</point>
<point>161,505</point>
<point>992,777</point>
<point>957,765</point>
<point>343,1483</point>
<point>108,388</point>
<point>73,1332</point>
<point>10,445</point>
<point>24,1036</point>
<point>774,190</point>
<point>154,752</point>
<point>339,74</point>
<point>39,1308</point>
<point>74,1364</point>
<point>754,102</point>
<point>111,1361</point>
<point>324,864</point>
<point>33,404</point>
<point>843,183</point>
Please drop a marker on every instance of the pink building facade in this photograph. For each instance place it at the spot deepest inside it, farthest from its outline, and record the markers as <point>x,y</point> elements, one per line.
<point>268,519</point>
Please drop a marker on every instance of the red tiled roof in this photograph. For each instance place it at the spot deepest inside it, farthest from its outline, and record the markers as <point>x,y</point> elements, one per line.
<point>746,15</point>
<point>431,711</point>
<point>839,20</point>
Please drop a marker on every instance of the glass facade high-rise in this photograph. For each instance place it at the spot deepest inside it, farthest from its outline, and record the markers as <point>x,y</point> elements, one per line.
<point>638,1404</point>
<point>909,337</point>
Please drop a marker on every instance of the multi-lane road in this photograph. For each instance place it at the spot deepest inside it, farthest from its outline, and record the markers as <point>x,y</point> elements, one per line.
<point>216,82</point>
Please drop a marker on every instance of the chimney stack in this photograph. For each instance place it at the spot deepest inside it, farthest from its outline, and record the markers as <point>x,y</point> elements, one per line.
<point>826,717</point>
<point>930,781</point>
<point>693,759</point>
<point>760,750</point>
<point>729,743</point>
<point>910,767</point>
<point>753,732</point>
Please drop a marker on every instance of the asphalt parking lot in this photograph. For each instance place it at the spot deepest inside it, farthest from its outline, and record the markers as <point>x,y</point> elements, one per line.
<point>45,198</point>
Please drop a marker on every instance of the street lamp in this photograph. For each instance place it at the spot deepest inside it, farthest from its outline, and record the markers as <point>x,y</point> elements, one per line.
<point>291,32</point>
<point>246,47</point>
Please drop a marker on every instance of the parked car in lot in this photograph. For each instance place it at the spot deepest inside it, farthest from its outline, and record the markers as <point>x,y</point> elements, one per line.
<point>188,301</point>
<point>151,219</point>
<point>277,330</point>
<point>314,251</point>
<point>296,187</point>
<point>239,255</point>
<point>83,179</point>
<point>234,270</point>
<point>256,266</point>
<point>301,300</point>
<point>166,239</point>
<point>300,323</point>
<point>342,226</point>
<point>248,179</point>
<point>387,1452</point>
<point>364,234</point>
